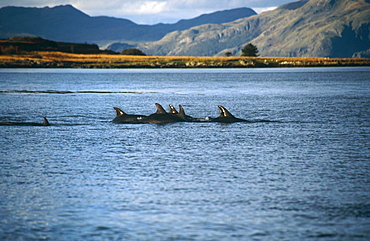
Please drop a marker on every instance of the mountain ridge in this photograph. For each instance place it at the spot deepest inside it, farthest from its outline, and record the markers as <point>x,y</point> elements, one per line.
<point>305,28</point>
<point>68,24</point>
<point>322,28</point>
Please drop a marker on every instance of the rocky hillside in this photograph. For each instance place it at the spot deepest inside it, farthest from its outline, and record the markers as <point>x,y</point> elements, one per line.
<point>323,28</point>
<point>305,28</point>
<point>68,24</point>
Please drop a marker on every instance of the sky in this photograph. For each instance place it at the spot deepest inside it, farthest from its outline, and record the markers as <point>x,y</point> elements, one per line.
<point>151,11</point>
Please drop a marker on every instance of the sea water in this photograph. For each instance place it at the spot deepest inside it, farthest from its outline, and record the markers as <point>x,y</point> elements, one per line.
<point>299,170</point>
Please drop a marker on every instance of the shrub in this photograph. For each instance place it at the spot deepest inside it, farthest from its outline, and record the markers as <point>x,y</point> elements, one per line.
<point>132,52</point>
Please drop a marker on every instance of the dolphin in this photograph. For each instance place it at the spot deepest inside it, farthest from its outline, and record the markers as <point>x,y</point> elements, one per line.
<point>226,116</point>
<point>181,114</point>
<point>122,117</point>
<point>186,117</point>
<point>161,116</point>
<point>173,110</point>
<point>45,123</point>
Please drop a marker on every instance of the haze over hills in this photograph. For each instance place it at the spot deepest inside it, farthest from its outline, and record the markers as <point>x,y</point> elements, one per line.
<point>323,28</point>
<point>66,23</point>
<point>305,28</point>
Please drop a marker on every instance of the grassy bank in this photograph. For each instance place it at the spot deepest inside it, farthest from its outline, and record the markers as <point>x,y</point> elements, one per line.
<point>69,60</point>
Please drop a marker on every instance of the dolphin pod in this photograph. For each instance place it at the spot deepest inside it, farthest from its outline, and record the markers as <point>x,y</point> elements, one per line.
<point>161,116</point>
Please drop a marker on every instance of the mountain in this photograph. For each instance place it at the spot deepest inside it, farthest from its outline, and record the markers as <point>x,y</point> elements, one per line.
<point>323,28</point>
<point>218,17</point>
<point>305,28</point>
<point>68,24</point>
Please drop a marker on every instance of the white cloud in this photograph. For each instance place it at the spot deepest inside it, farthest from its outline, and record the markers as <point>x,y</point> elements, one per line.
<point>151,7</point>
<point>261,10</point>
<point>111,8</point>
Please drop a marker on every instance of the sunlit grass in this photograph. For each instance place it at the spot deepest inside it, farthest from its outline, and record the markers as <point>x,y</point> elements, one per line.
<point>59,59</point>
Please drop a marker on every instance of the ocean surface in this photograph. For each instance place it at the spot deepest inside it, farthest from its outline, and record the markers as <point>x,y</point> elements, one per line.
<point>299,170</point>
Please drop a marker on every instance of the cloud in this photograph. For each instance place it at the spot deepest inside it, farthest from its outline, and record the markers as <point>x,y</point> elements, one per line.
<point>150,11</point>
<point>111,8</point>
<point>152,7</point>
<point>261,10</point>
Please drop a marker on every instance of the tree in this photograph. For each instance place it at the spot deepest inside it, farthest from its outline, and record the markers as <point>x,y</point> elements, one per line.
<point>228,54</point>
<point>250,50</point>
<point>132,52</point>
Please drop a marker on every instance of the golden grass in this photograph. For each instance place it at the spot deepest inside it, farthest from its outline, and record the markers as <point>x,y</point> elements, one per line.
<point>117,61</point>
<point>123,58</point>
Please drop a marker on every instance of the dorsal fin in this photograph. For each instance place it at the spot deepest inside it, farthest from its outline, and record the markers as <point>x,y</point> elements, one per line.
<point>173,110</point>
<point>46,122</point>
<point>160,109</point>
<point>182,111</point>
<point>224,112</point>
<point>119,111</point>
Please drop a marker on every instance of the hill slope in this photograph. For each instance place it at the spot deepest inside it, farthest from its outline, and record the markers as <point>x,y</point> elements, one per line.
<point>326,28</point>
<point>24,45</point>
<point>66,23</point>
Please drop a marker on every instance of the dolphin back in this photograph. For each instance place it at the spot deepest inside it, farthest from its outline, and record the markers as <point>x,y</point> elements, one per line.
<point>119,111</point>
<point>46,122</point>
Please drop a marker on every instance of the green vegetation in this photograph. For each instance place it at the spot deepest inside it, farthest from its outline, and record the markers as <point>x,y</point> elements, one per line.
<point>133,52</point>
<point>250,50</point>
<point>228,54</point>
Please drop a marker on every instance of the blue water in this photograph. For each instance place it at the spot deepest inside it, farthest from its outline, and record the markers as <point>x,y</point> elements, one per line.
<point>300,170</point>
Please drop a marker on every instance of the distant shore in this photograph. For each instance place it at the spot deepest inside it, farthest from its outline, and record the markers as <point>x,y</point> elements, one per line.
<point>106,61</point>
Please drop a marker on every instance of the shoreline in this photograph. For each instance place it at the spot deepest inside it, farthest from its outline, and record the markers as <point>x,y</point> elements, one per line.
<point>109,61</point>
